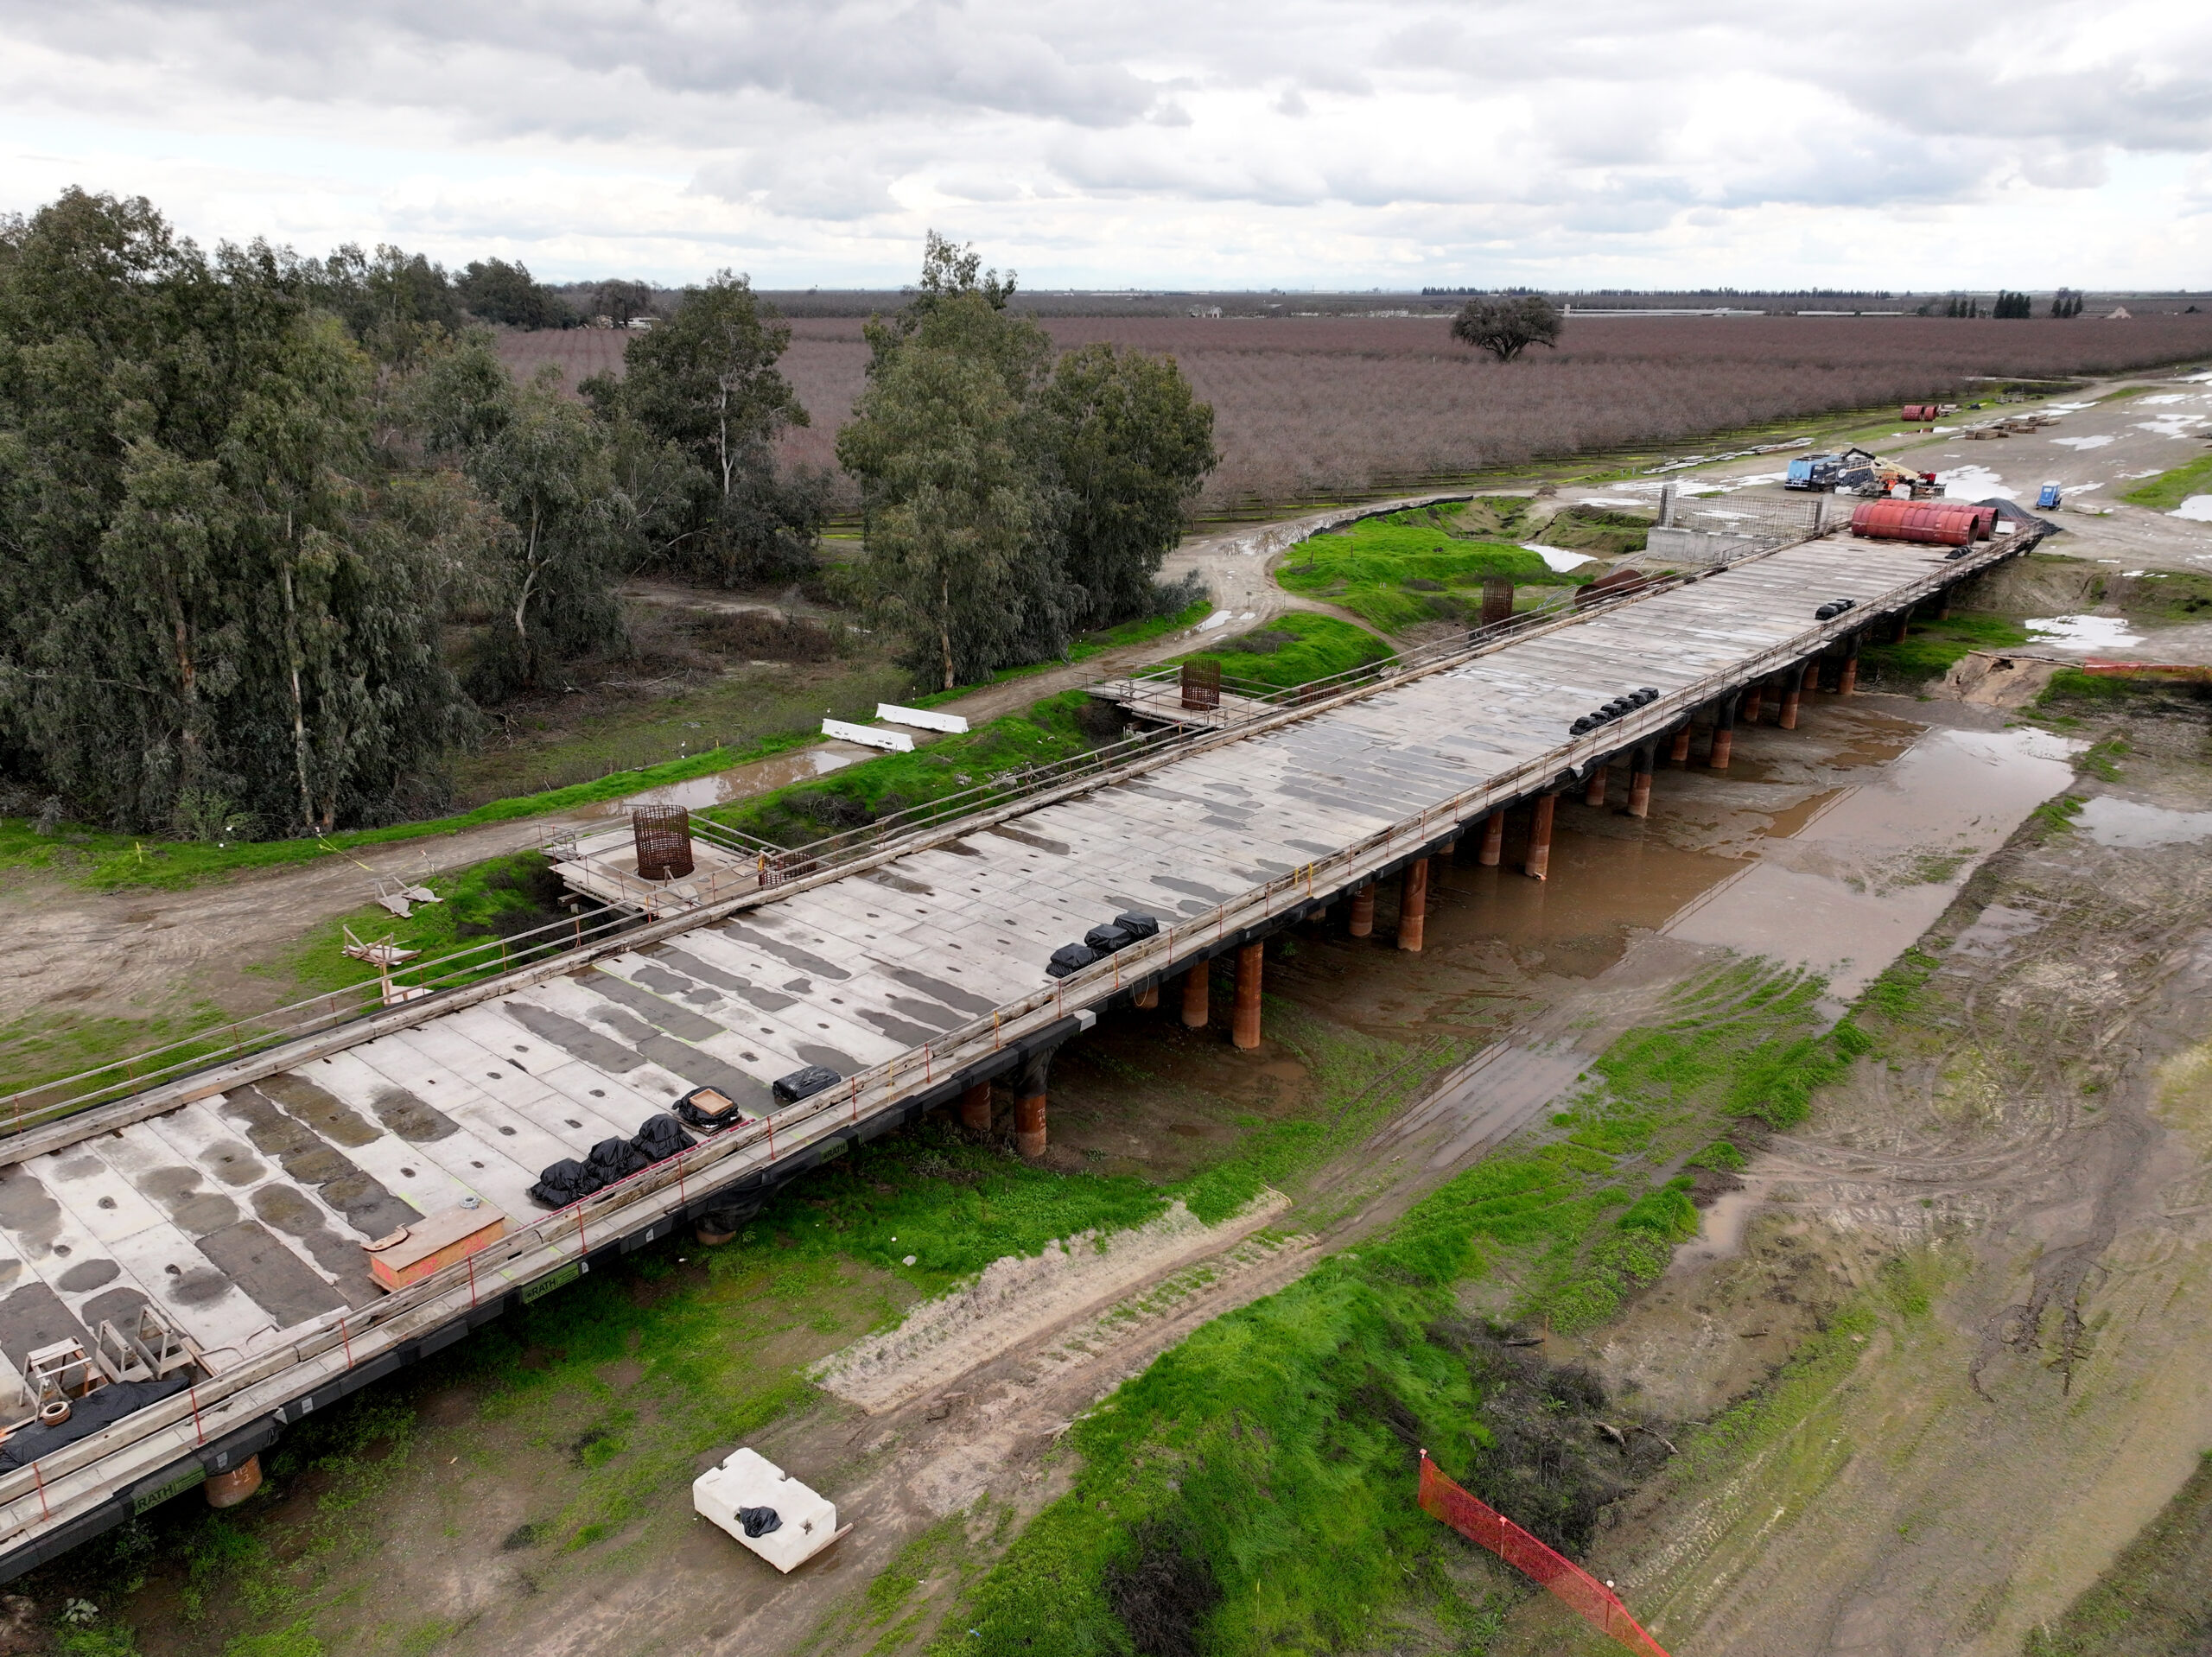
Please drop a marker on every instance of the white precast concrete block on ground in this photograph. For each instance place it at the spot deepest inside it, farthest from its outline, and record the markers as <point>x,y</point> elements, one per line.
<point>748,1479</point>
<point>922,717</point>
<point>897,741</point>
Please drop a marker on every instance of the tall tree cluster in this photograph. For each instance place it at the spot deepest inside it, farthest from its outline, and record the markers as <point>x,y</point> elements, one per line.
<point>1012,497</point>
<point>214,602</point>
<point>244,495</point>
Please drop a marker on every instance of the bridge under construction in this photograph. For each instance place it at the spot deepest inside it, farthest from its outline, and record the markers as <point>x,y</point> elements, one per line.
<point>202,1245</point>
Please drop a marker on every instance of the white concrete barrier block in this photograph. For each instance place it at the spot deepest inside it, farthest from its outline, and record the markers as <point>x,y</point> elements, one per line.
<point>896,741</point>
<point>922,718</point>
<point>747,1479</point>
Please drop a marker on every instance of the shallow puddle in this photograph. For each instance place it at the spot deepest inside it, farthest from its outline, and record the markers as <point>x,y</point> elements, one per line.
<point>2082,633</point>
<point>740,782</point>
<point>2132,823</point>
<point>1864,877</point>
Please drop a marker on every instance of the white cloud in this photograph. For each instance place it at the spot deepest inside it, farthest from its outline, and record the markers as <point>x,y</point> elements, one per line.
<point>811,141</point>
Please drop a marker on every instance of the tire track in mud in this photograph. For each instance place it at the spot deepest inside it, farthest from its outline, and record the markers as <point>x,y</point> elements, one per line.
<point>1973,1471</point>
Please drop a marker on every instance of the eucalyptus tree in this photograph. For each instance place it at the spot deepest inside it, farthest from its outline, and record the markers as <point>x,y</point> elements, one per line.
<point>212,611</point>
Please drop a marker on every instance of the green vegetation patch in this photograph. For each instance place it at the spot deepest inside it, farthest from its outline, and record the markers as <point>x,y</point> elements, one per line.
<point>106,861</point>
<point>1408,568</point>
<point>1293,649</point>
<point>1055,728</point>
<point>1932,647</point>
<point>2149,1603</point>
<point>479,906</point>
<point>2171,595</point>
<point>1263,1470</point>
<point>2169,489</point>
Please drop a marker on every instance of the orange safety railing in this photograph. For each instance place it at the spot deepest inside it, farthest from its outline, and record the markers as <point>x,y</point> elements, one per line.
<point>1483,1525</point>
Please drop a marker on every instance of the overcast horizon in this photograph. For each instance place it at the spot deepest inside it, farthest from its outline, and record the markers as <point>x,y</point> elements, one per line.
<point>1390,146</point>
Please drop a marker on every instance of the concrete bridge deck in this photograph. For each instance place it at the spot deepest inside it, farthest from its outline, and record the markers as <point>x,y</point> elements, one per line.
<point>235,1203</point>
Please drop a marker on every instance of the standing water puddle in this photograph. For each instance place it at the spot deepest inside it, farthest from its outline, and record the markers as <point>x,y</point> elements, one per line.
<point>1863,879</point>
<point>2084,632</point>
<point>2131,823</point>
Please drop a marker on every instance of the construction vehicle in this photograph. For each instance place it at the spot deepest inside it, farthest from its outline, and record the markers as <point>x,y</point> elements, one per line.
<point>1858,472</point>
<point>1845,471</point>
<point>2049,499</point>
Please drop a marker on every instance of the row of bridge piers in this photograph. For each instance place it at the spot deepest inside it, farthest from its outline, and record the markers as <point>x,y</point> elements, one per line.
<point>1776,698</point>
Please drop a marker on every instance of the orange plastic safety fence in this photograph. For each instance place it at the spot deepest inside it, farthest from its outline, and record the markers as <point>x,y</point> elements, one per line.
<point>1482,1524</point>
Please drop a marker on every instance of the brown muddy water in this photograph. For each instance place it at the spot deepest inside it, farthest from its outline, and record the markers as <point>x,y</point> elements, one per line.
<point>1831,847</point>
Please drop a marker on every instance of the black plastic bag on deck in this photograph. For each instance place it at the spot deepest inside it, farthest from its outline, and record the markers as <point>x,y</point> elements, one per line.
<point>659,1138</point>
<point>564,1182</point>
<point>613,1160</point>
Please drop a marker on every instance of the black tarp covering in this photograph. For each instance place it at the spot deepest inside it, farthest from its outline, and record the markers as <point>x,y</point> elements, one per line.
<point>87,1415</point>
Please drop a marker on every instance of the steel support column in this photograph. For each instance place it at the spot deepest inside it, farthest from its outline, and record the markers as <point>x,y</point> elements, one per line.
<point>1413,904</point>
<point>1245,1030</point>
<point>1362,912</point>
<point>1029,1105</point>
<point>976,1107</point>
<point>1540,837</point>
<point>1195,989</point>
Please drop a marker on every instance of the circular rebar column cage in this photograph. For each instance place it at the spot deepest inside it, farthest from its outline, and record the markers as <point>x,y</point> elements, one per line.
<point>663,837</point>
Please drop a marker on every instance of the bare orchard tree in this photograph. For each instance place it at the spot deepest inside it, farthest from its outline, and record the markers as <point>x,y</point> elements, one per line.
<point>1505,327</point>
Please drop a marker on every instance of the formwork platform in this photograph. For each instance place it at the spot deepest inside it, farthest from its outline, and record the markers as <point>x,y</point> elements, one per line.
<point>237,1202</point>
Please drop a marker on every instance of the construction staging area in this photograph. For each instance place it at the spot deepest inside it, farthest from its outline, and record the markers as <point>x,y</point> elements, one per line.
<point>216,1225</point>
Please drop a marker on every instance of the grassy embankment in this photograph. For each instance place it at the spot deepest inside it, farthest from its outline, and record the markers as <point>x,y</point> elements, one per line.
<point>1267,1463</point>
<point>1086,646</point>
<point>1425,564</point>
<point>1932,647</point>
<point>2169,489</point>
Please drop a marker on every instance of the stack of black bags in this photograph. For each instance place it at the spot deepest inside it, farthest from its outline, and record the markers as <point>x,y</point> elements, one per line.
<point>657,1138</point>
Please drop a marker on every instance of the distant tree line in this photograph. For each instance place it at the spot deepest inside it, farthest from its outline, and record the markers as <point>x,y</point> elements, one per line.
<point>249,501</point>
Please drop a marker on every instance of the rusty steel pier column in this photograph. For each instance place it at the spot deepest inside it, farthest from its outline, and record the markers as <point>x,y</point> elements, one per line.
<point>1639,782</point>
<point>1754,700</point>
<point>1846,678</point>
<point>1593,791</point>
<point>1146,998</point>
<point>1493,848</point>
<point>1539,865</point>
<point>1680,753</point>
<point>1362,912</point>
<point>228,1489</point>
<point>1029,1105</point>
<point>1195,987</point>
<point>1724,733</point>
<point>976,1107</point>
<point>1244,1031</point>
<point>1901,625</point>
<point>1793,687</point>
<point>1413,904</point>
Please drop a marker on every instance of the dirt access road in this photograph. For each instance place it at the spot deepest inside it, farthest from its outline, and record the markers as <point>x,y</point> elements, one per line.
<point>71,953</point>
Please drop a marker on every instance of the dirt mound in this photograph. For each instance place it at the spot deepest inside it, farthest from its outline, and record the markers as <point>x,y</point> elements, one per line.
<point>1998,678</point>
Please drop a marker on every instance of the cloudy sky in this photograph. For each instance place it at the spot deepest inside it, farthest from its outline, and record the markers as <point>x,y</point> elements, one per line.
<point>1395,143</point>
